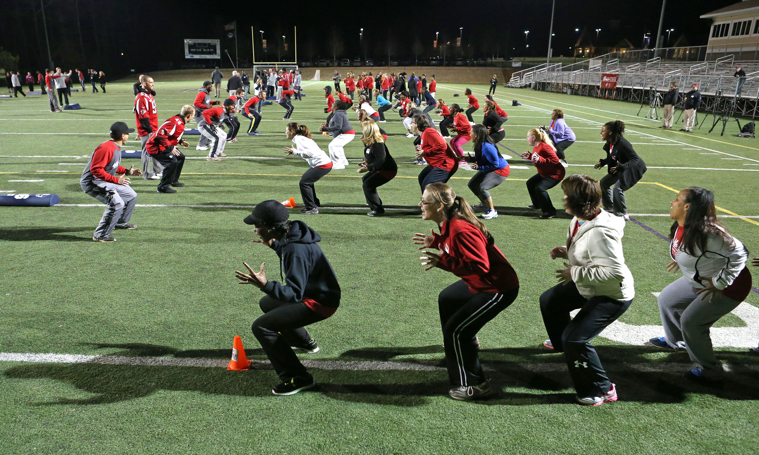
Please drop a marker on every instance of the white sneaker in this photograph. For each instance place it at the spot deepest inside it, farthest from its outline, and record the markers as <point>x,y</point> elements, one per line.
<point>201,148</point>
<point>382,121</point>
<point>490,214</point>
<point>472,123</point>
<point>446,137</point>
<point>563,163</point>
<point>409,135</point>
<point>154,177</point>
<point>337,166</point>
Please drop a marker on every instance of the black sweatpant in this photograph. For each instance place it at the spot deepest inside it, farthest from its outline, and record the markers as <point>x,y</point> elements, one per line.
<point>492,89</point>
<point>573,335</point>
<point>538,188</point>
<point>285,103</point>
<point>471,111</point>
<point>444,124</point>
<point>561,146</point>
<point>172,167</point>
<point>279,328</point>
<point>307,189</point>
<point>462,314</point>
<point>433,175</point>
<point>63,92</point>
<point>371,181</point>
<point>17,90</point>
<point>382,110</point>
<point>31,87</point>
<point>498,136</point>
<point>234,127</point>
<point>269,91</point>
<point>255,119</point>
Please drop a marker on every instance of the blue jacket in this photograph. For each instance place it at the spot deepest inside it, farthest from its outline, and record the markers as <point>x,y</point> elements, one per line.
<point>490,160</point>
<point>562,132</point>
<point>429,99</point>
<point>381,101</point>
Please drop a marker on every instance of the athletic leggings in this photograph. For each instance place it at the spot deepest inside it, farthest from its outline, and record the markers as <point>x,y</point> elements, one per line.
<point>279,328</point>
<point>492,89</point>
<point>456,144</point>
<point>561,146</point>
<point>382,110</point>
<point>481,182</point>
<point>462,314</point>
<point>371,181</point>
<point>538,188</point>
<point>470,111</point>
<point>444,124</point>
<point>498,135</point>
<point>307,189</point>
<point>234,127</point>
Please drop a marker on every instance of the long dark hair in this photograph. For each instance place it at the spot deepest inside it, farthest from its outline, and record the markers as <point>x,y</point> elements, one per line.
<point>700,221</point>
<point>456,207</point>
<point>455,109</point>
<point>480,136</point>
<point>615,128</point>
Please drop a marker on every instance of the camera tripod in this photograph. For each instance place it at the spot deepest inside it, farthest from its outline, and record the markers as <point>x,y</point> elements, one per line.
<point>726,111</point>
<point>654,103</point>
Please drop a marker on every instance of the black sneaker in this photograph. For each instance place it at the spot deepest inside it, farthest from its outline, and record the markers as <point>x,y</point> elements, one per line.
<point>375,213</point>
<point>310,348</point>
<point>533,207</point>
<point>126,226</point>
<point>547,216</point>
<point>166,190</point>
<point>178,184</point>
<point>106,239</point>
<point>294,385</point>
<point>313,211</point>
<point>467,393</point>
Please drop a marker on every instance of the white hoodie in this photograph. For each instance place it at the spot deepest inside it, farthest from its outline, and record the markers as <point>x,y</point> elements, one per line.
<point>595,254</point>
<point>308,150</point>
<point>722,261</point>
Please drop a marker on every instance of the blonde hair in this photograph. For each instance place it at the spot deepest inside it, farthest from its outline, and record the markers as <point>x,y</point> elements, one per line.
<point>456,207</point>
<point>362,115</point>
<point>541,136</point>
<point>187,110</point>
<point>372,133</point>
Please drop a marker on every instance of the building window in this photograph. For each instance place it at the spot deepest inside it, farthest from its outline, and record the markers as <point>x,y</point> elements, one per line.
<point>741,28</point>
<point>756,27</point>
<point>723,31</point>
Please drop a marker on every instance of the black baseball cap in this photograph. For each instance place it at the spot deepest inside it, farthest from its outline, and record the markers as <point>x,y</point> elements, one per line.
<point>207,83</point>
<point>121,128</point>
<point>228,102</point>
<point>269,213</point>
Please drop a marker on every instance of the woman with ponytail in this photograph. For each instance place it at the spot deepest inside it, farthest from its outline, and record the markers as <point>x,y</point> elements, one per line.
<point>433,150</point>
<point>379,167</point>
<point>714,281</point>
<point>463,131</point>
<point>595,280</point>
<point>625,168</point>
<point>487,286</point>
<point>550,172</point>
<point>492,170</point>
<point>320,163</point>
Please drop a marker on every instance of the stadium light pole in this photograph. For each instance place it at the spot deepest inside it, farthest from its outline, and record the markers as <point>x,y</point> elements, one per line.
<point>266,52</point>
<point>437,35</point>
<point>284,40</point>
<point>361,41</point>
<point>44,25</point>
<point>658,33</point>
<point>550,34</point>
<point>670,30</point>
<point>526,38</point>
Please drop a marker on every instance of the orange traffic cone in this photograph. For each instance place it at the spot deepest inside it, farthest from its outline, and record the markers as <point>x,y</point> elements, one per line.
<point>239,361</point>
<point>290,203</point>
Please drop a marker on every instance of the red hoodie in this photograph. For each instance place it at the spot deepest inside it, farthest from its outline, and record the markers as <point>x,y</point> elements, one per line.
<point>433,86</point>
<point>436,150</point>
<point>465,252</point>
<point>547,162</point>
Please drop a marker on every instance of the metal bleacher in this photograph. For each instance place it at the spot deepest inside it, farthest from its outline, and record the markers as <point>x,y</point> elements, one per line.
<point>714,78</point>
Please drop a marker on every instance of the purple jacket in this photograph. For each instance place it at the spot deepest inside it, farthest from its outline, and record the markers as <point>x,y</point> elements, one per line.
<point>561,132</point>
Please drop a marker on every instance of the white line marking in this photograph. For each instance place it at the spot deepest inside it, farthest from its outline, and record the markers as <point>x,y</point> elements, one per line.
<point>667,214</point>
<point>24,181</point>
<point>44,172</point>
<point>69,164</point>
<point>7,191</point>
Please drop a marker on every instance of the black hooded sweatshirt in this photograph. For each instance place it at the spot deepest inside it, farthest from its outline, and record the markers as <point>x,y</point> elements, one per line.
<point>307,272</point>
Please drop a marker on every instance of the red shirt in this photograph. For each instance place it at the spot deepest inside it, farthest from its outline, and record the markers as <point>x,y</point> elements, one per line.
<point>404,106</point>
<point>445,112</point>
<point>386,81</point>
<point>419,86</point>
<point>473,101</point>
<point>369,83</point>
<point>360,83</point>
<point>102,157</point>
<point>676,241</point>
<point>284,82</point>
<point>350,84</point>
<point>144,108</point>
<point>547,162</point>
<point>286,93</point>
<point>81,76</point>
<point>200,100</point>
<point>49,80</point>
<point>330,102</point>
<point>499,111</point>
<point>465,252</point>
<point>344,98</point>
<point>217,112</point>
<point>462,126</point>
<point>251,102</point>
<point>433,86</point>
<point>436,150</point>
<point>169,134</point>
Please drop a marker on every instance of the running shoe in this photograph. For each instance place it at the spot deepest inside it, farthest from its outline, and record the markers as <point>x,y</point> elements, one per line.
<point>313,211</point>
<point>104,239</point>
<point>201,148</point>
<point>479,208</point>
<point>468,393</point>
<point>698,375</point>
<point>126,226</point>
<point>609,397</point>
<point>490,214</point>
<point>409,135</point>
<point>310,348</point>
<point>294,385</point>
<point>547,343</point>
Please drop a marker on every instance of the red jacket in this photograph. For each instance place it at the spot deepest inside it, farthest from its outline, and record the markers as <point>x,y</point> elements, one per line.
<point>360,83</point>
<point>102,157</point>
<point>144,108</point>
<point>344,98</point>
<point>433,86</point>
<point>284,82</point>
<point>200,100</point>
<point>473,101</point>
<point>330,102</point>
<point>499,111</point>
<point>419,86</point>
<point>286,93</point>
<point>387,82</point>
<point>369,83</point>
<point>444,111</point>
<point>168,135</point>
<point>465,252</point>
<point>217,112</point>
<point>436,150</point>
<point>462,126</point>
<point>251,102</point>
<point>350,84</point>
<point>547,162</point>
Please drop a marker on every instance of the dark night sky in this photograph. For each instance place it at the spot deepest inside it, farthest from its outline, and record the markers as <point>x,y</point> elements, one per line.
<point>150,33</point>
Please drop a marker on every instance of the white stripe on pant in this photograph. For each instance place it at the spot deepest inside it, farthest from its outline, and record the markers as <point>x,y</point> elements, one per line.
<point>217,140</point>
<point>336,151</point>
<point>457,331</point>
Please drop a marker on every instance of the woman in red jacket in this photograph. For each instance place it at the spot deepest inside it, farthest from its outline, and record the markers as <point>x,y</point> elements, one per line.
<point>488,284</point>
<point>350,85</point>
<point>447,121</point>
<point>550,172</point>
<point>433,148</point>
<point>463,131</point>
<point>473,105</point>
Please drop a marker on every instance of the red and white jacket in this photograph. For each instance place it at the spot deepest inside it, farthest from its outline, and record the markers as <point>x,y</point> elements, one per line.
<point>144,108</point>
<point>167,136</point>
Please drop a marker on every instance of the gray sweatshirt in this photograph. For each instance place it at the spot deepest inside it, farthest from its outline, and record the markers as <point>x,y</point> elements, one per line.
<point>339,124</point>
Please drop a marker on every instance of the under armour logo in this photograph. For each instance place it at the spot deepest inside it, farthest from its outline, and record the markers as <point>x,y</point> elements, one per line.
<point>578,363</point>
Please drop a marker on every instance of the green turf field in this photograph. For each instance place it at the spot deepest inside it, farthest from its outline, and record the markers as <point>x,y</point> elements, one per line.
<point>163,305</point>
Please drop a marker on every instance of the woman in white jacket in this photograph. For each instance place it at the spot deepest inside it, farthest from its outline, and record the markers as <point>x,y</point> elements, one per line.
<point>715,280</point>
<point>596,280</point>
<point>320,163</point>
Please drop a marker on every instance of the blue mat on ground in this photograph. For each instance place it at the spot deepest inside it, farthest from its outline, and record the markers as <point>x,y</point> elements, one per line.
<point>29,200</point>
<point>271,98</point>
<point>74,89</point>
<point>192,133</point>
<point>266,103</point>
<point>72,107</point>
<point>34,93</point>
<point>128,154</point>
<point>5,96</point>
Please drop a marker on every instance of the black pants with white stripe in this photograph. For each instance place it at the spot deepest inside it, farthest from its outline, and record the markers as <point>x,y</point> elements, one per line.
<point>285,103</point>
<point>462,314</point>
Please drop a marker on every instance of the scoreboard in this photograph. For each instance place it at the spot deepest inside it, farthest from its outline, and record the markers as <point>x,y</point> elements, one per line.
<point>202,48</point>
